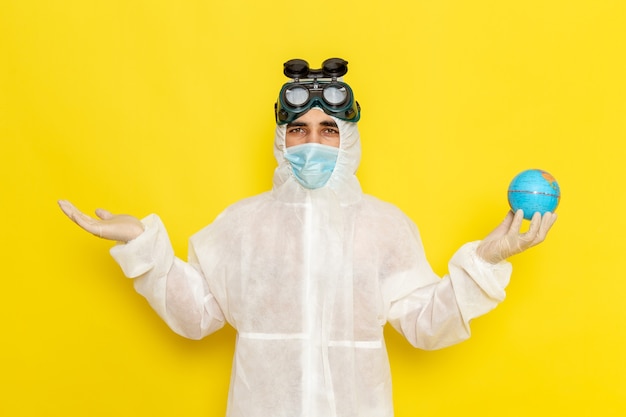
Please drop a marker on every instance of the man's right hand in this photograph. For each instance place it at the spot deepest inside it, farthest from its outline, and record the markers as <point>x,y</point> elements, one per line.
<point>119,227</point>
<point>507,239</point>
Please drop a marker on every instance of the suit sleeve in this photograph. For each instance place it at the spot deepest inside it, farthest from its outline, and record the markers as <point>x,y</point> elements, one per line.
<point>175,289</point>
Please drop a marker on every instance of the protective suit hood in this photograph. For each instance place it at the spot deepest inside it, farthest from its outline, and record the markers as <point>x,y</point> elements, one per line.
<point>343,183</point>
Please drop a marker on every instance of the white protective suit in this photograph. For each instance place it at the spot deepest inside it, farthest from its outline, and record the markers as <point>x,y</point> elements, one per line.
<point>308,278</point>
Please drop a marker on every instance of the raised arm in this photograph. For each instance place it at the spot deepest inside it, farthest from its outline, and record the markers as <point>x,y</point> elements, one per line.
<point>438,313</point>
<point>175,289</point>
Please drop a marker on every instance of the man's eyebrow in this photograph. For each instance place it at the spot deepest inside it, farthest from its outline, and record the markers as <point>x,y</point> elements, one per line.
<point>327,123</point>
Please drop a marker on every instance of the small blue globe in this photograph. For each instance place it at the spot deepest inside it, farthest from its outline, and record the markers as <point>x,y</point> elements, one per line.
<point>534,190</point>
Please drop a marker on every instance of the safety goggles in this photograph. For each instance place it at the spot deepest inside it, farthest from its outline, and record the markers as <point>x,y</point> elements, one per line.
<point>316,88</point>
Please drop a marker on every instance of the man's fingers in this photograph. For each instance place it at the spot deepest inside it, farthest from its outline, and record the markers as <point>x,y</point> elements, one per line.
<point>535,222</point>
<point>506,223</point>
<point>539,227</point>
<point>67,207</point>
<point>547,221</point>
<point>88,223</point>
<point>71,211</point>
<point>107,225</point>
<point>104,214</point>
<point>503,228</point>
<point>516,222</point>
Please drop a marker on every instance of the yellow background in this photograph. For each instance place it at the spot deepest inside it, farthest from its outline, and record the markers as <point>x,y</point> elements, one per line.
<point>166,106</point>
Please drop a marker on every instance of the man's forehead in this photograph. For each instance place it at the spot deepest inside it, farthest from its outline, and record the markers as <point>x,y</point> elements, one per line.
<point>314,116</point>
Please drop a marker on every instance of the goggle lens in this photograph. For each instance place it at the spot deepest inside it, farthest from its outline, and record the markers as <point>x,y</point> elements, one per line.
<point>297,96</point>
<point>335,95</point>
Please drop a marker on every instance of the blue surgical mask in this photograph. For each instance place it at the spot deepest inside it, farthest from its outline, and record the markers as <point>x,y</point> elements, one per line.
<point>312,163</point>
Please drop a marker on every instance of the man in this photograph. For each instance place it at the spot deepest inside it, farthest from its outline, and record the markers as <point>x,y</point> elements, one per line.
<point>309,272</point>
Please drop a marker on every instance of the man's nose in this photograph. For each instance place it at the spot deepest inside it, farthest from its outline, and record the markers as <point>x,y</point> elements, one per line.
<point>314,137</point>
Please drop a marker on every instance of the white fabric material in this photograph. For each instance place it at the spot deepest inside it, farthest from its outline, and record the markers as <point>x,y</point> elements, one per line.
<point>308,278</point>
